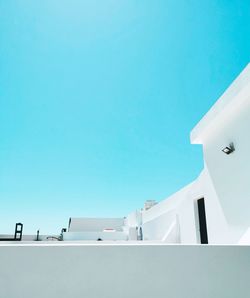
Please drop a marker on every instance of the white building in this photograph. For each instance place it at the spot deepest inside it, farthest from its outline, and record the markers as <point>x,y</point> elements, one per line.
<point>222,190</point>
<point>156,251</point>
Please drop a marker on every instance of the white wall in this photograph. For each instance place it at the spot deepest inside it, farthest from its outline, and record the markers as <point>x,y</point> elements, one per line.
<point>95,224</point>
<point>225,179</point>
<point>217,225</point>
<point>175,212</point>
<point>134,219</point>
<point>121,271</point>
<point>181,211</point>
<point>182,208</point>
<point>157,228</point>
<point>230,174</point>
<point>69,236</point>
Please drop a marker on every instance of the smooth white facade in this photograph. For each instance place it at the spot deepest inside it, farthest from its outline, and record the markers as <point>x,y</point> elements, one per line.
<point>121,271</point>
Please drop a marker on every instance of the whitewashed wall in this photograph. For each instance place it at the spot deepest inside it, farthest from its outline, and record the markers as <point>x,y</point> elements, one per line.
<point>230,174</point>
<point>121,271</point>
<point>181,209</point>
<point>177,212</point>
<point>217,225</point>
<point>225,178</point>
<point>94,224</point>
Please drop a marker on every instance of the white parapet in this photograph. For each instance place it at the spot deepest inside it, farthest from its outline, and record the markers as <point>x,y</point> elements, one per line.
<point>124,270</point>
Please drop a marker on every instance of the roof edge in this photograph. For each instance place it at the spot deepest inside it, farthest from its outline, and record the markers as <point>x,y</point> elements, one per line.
<point>229,99</point>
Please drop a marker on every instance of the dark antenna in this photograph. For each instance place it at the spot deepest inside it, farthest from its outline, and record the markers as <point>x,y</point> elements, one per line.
<point>37,235</point>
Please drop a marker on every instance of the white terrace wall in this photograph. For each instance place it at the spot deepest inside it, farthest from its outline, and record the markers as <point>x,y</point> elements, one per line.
<point>180,212</point>
<point>121,271</point>
<point>173,219</point>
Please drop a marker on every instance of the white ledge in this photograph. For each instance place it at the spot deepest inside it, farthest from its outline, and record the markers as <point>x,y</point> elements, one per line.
<point>233,97</point>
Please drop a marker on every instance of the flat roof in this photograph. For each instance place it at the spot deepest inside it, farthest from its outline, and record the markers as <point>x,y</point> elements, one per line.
<point>234,96</point>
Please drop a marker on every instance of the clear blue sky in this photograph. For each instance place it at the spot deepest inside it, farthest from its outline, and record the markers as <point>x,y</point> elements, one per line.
<point>98,99</point>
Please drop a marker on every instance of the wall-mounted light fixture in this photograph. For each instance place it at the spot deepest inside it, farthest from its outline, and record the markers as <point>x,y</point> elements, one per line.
<point>229,149</point>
